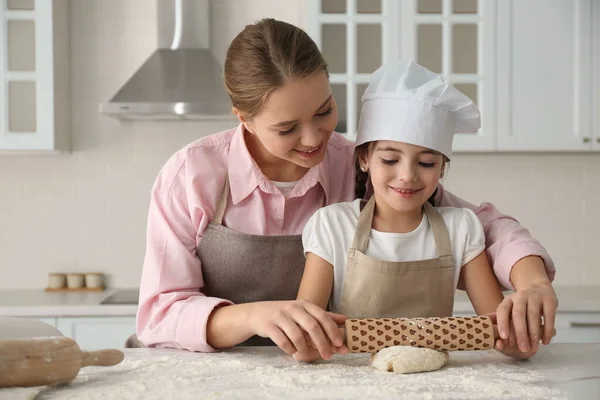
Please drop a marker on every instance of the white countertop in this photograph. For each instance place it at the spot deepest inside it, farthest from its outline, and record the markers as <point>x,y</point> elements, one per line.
<point>558,371</point>
<point>37,303</point>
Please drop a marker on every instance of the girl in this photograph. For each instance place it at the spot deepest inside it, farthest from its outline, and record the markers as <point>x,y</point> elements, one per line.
<point>224,252</point>
<point>396,255</point>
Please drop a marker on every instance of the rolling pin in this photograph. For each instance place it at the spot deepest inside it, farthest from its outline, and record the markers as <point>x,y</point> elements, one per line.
<point>370,335</point>
<point>47,361</point>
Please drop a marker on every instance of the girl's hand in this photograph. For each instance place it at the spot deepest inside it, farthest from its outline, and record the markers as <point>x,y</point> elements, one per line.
<point>509,346</point>
<point>300,328</point>
<point>523,310</point>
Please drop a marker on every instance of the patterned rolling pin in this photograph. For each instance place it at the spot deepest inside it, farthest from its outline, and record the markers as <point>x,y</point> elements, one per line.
<point>452,333</point>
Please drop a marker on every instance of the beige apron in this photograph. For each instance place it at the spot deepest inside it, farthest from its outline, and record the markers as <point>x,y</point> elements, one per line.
<point>245,268</point>
<point>378,289</point>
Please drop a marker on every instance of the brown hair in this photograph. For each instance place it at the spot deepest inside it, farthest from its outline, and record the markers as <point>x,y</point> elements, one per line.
<point>262,57</point>
<point>361,177</point>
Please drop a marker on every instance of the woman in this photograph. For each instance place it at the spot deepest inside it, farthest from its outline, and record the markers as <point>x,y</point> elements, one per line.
<point>224,252</point>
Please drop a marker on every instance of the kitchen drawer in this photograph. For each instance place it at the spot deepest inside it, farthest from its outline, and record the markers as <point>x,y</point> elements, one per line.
<point>577,328</point>
<point>93,333</point>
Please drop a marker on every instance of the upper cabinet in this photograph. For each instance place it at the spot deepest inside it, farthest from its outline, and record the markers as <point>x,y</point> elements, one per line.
<point>34,101</point>
<point>457,40</point>
<point>596,72</point>
<point>355,38</point>
<point>545,75</point>
<point>528,65</point>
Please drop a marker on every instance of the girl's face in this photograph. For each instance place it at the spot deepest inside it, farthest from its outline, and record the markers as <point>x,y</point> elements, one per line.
<point>403,175</point>
<point>297,120</point>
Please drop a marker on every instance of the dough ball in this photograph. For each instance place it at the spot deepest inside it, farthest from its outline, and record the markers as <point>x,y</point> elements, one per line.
<point>407,359</point>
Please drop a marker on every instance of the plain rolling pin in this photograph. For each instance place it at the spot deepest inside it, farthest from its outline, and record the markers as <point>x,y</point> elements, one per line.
<point>369,335</point>
<point>48,361</point>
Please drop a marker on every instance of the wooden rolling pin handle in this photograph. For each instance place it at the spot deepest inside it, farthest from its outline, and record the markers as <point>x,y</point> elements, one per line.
<point>102,358</point>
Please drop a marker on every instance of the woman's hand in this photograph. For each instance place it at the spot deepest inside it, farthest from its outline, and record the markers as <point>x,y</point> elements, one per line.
<point>523,310</point>
<point>300,328</point>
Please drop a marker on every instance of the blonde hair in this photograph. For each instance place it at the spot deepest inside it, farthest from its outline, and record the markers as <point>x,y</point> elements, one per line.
<point>262,57</point>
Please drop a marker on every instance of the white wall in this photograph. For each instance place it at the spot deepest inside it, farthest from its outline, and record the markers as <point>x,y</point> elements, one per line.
<point>86,211</point>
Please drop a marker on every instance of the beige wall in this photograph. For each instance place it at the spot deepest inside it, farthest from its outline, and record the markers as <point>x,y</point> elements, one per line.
<point>86,211</point>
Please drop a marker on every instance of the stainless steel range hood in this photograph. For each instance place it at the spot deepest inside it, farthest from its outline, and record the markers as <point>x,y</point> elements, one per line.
<point>181,79</point>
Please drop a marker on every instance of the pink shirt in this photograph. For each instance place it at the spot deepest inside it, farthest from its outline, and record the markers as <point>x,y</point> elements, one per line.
<point>172,310</point>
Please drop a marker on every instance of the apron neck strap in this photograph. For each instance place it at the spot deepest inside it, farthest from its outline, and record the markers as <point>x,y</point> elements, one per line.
<point>440,232</point>
<point>220,211</point>
<point>438,227</point>
<point>363,227</point>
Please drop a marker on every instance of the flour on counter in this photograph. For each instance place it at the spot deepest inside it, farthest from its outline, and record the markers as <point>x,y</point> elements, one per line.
<point>248,374</point>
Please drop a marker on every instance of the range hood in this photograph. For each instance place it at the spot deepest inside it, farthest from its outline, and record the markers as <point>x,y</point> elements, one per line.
<point>181,79</point>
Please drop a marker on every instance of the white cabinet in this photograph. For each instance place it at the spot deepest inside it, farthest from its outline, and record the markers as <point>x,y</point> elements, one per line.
<point>596,72</point>
<point>94,333</point>
<point>34,100</point>
<point>577,328</point>
<point>356,37</point>
<point>545,75</point>
<point>455,39</point>
<point>531,66</point>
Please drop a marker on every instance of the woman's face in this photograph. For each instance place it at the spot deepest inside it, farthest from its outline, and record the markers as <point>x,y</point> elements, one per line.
<point>403,175</point>
<point>297,120</point>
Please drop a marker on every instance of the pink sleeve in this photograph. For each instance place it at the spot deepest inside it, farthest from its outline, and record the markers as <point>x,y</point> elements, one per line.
<point>172,311</point>
<point>506,240</point>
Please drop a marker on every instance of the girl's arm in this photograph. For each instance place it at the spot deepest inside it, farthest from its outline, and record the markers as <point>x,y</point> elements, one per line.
<point>317,281</point>
<point>316,287</point>
<point>481,285</point>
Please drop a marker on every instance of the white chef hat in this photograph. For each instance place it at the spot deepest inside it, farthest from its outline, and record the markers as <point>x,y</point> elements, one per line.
<point>406,102</point>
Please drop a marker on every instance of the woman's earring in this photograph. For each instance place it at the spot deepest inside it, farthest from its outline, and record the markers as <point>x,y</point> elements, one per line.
<point>363,168</point>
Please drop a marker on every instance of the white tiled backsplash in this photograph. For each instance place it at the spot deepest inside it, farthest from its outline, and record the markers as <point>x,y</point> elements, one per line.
<point>86,211</point>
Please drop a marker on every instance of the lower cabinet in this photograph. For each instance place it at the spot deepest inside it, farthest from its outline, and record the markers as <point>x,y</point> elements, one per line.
<point>577,328</point>
<point>93,333</point>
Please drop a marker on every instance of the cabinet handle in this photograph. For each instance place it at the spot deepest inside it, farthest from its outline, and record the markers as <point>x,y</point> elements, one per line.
<point>585,324</point>
<point>586,140</point>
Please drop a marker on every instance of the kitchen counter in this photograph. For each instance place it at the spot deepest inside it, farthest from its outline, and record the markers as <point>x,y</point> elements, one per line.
<point>559,371</point>
<point>37,303</point>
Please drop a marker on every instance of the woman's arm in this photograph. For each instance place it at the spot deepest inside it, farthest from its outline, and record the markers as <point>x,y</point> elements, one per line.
<point>173,312</point>
<point>534,297</point>
<point>519,262</point>
<point>506,240</point>
<point>485,295</point>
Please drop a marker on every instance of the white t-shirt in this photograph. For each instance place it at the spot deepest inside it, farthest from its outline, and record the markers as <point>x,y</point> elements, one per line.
<point>285,187</point>
<point>330,231</point>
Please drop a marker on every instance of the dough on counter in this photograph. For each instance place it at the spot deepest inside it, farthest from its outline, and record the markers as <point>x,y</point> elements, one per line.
<point>407,359</point>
